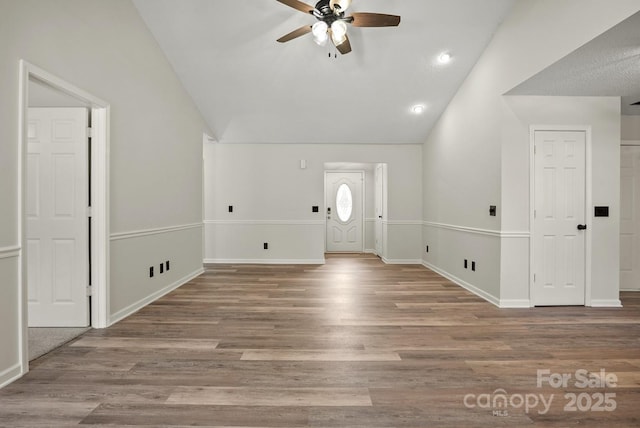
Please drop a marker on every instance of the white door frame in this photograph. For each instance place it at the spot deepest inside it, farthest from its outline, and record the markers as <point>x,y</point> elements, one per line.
<point>588,203</point>
<point>362,196</point>
<point>99,191</point>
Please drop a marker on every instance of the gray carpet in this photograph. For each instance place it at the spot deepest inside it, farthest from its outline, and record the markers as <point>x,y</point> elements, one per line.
<point>45,340</point>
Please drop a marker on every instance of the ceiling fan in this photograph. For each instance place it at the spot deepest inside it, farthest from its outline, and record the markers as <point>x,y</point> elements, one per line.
<point>332,22</point>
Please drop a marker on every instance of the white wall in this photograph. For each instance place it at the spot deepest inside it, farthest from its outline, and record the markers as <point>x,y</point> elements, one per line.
<point>630,128</point>
<point>272,199</point>
<point>470,162</point>
<point>104,48</point>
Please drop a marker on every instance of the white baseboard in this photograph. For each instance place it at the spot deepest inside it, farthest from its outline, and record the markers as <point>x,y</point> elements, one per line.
<point>514,303</point>
<point>10,375</point>
<point>630,289</point>
<point>123,313</point>
<point>469,287</point>
<point>265,261</point>
<point>402,261</point>
<point>606,303</point>
<point>370,251</point>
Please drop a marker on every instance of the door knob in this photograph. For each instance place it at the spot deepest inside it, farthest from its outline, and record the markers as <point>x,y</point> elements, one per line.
<point>379,216</point>
<point>582,227</point>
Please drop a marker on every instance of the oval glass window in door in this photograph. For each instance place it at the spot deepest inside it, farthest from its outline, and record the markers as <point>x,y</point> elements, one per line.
<point>344,203</point>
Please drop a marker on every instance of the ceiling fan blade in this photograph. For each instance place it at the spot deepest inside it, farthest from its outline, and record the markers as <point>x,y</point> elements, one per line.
<point>365,19</point>
<point>295,34</point>
<point>298,5</point>
<point>344,47</point>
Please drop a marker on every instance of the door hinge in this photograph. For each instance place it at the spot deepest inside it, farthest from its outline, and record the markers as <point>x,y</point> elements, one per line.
<point>534,277</point>
<point>89,290</point>
<point>89,212</point>
<point>90,132</point>
<point>535,149</point>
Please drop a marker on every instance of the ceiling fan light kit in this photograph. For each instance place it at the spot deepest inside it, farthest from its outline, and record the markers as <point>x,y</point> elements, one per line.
<point>332,22</point>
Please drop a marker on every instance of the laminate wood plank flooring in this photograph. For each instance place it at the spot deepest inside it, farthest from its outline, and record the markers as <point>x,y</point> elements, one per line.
<point>353,343</point>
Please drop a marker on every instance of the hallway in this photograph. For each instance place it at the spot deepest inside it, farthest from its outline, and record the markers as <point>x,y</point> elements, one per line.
<point>353,343</point>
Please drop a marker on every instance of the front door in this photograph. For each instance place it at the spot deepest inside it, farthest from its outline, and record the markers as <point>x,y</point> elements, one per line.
<point>344,211</point>
<point>630,218</point>
<point>57,221</point>
<point>559,218</point>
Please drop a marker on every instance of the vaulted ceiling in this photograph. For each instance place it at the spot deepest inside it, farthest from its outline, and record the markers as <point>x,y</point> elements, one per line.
<point>250,88</point>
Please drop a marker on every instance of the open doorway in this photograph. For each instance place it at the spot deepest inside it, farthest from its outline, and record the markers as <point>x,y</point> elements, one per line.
<point>63,211</point>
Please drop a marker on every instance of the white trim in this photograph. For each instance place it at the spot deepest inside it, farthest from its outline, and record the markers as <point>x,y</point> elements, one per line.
<point>402,261</point>
<point>403,222</point>
<point>630,143</point>
<point>370,251</point>
<point>588,202</point>
<point>514,304</point>
<point>267,222</point>
<point>146,232</point>
<point>265,261</point>
<point>469,287</point>
<point>10,375</point>
<point>9,252</point>
<point>630,289</point>
<point>100,203</point>
<point>605,303</point>
<point>478,231</point>
<point>134,307</point>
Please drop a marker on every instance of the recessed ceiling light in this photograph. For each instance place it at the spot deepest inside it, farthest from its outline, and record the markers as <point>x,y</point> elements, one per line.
<point>418,109</point>
<point>444,58</point>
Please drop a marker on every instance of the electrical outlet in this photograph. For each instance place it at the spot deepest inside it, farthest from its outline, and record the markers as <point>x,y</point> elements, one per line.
<point>167,265</point>
<point>230,208</point>
<point>266,245</point>
<point>473,266</point>
<point>151,272</point>
<point>161,267</point>
<point>315,209</point>
<point>427,248</point>
<point>465,264</point>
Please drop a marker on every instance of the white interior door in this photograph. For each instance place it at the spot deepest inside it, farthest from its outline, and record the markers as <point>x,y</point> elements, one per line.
<point>344,211</point>
<point>629,218</point>
<point>559,216</point>
<point>57,221</point>
<point>379,194</point>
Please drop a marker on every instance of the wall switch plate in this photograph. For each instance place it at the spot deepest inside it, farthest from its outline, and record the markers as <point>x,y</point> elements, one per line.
<point>427,249</point>
<point>493,210</point>
<point>473,266</point>
<point>230,208</point>
<point>151,272</point>
<point>167,265</point>
<point>315,209</point>
<point>466,264</point>
<point>266,245</point>
<point>601,211</point>
<point>161,267</point>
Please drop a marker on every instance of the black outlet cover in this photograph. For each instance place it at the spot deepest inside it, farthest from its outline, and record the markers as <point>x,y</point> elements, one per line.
<point>167,264</point>
<point>230,208</point>
<point>266,246</point>
<point>492,210</point>
<point>465,263</point>
<point>473,266</point>
<point>315,209</point>
<point>601,211</point>
<point>161,267</point>
<point>151,272</point>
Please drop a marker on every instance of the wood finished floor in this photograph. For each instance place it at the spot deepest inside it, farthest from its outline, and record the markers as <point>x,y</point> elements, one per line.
<point>353,343</point>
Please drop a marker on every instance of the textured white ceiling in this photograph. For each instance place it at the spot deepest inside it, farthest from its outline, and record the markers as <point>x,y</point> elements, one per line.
<point>250,88</point>
<point>609,65</point>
